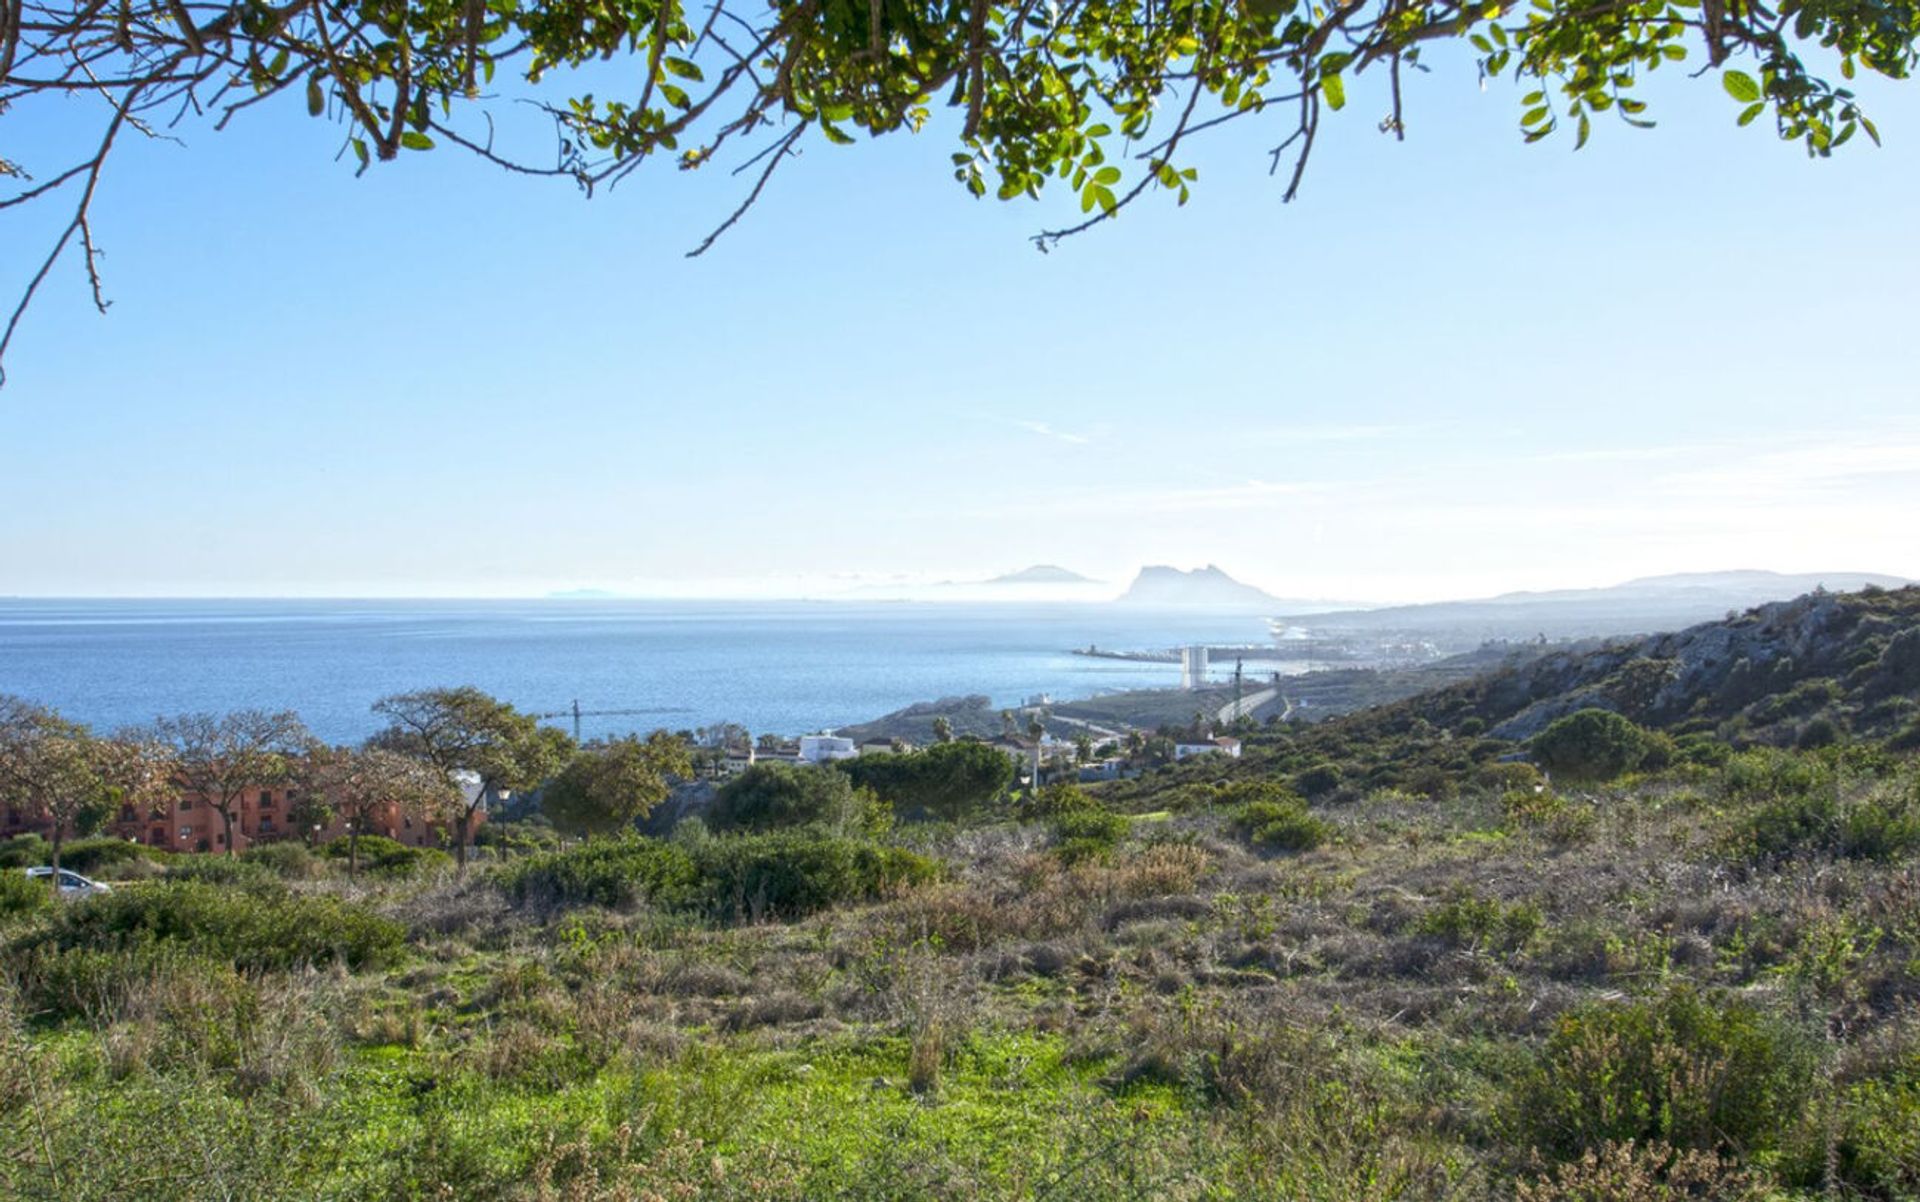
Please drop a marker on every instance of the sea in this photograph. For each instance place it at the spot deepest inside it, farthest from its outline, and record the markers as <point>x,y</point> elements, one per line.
<point>786,667</point>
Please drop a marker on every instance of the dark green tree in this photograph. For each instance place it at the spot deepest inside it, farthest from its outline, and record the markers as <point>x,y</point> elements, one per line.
<point>947,780</point>
<point>770,796</point>
<point>611,784</point>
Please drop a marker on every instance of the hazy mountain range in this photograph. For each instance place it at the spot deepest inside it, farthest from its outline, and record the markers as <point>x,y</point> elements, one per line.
<point>1643,605</point>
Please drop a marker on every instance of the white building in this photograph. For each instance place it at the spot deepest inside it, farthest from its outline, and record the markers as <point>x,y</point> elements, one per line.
<point>818,749</point>
<point>1225,745</point>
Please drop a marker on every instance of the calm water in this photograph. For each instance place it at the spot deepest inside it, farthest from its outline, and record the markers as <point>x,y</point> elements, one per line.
<point>773,666</point>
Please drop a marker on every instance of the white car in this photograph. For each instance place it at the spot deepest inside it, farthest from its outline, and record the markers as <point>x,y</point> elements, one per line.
<point>72,884</point>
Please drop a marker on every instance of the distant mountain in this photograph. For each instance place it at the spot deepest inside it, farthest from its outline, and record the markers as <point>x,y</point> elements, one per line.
<point>1640,606</point>
<point>1043,573</point>
<point>1208,588</point>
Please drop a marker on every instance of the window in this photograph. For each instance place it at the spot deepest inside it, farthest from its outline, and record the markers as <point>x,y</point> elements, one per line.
<point>186,803</point>
<point>266,797</point>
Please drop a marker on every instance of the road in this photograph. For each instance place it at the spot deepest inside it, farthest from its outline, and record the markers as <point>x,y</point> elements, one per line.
<point>1232,710</point>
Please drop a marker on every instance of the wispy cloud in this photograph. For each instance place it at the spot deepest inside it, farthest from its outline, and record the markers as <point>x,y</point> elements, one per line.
<point>1046,430</point>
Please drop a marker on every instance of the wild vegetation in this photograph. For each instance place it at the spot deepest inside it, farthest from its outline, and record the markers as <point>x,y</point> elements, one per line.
<point>1386,957</point>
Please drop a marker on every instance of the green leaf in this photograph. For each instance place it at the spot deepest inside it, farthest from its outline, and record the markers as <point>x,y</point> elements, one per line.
<point>1751,111</point>
<point>1586,127</point>
<point>1107,175</point>
<point>316,99</point>
<point>415,140</point>
<point>682,68</point>
<point>360,152</point>
<point>1336,92</point>
<point>1534,117</point>
<point>677,97</point>
<point>834,135</point>
<point>1740,86</point>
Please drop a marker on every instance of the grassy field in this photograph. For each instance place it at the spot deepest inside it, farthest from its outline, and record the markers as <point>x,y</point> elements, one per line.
<point>1693,983</point>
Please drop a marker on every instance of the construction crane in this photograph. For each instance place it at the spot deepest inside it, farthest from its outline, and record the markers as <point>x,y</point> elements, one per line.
<point>576,713</point>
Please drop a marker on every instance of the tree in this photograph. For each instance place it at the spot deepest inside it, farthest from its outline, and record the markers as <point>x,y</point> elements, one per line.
<point>1103,98</point>
<point>613,783</point>
<point>769,796</point>
<point>67,776</point>
<point>222,759</point>
<point>1591,745</point>
<point>463,730</point>
<point>942,729</point>
<point>359,783</point>
<point>947,780</point>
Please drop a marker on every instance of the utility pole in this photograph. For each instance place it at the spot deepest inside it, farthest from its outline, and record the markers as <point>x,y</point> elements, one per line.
<point>1239,662</point>
<point>576,719</point>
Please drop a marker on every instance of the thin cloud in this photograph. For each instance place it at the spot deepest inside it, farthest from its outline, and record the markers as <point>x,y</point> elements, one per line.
<point>1045,430</point>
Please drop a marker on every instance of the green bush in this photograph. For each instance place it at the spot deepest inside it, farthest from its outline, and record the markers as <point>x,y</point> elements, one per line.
<point>1039,805</point>
<point>102,857</point>
<point>221,870</point>
<point>1594,745</point>
<point>1088,833</point>
<point>1469,919</point>
<point>389,857</point>
<point>792,873</point>
<point>1765,775</point>
<point>254,929</point>
<point>1320,780</point>
<point>772,796</point>
<point>1280,825</point>
<point>605,872</point>
<point>20,894</point>
<point>1683,1068</point>
<point>288,860</point>
<point>1803,813</point>
<point>24,851</point>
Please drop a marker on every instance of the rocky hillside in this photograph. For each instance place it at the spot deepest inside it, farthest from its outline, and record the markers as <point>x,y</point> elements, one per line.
<point>1851,660</point>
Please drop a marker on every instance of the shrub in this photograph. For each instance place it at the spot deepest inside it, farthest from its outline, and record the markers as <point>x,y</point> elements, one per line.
<point>1280,825</point>
<point>288,860</point>
<point>772,796</point>
<point>1592,745</point>
<point>608,872</point>
<point>1684,1069</point>
<point>389,857</point>
<point>101,857</point>
<point>1472,920</point>
<point>1883,825</point>
<point>24,851</point>
<point>221,870</point>
<point>255,929</point>
<point>1318,781</point>
<point>20,894</point>
<point>792,873</point>
<point>1763,775</point>
<point>947,781</point>
<point>1653,1172</point>
<point>1087,833</point>
<point>1053,801</point>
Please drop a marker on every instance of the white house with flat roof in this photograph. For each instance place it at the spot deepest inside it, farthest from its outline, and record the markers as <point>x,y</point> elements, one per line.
<point>818,749</point>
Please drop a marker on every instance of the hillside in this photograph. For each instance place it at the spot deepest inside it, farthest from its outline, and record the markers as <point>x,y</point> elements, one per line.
<point>1764,676</point>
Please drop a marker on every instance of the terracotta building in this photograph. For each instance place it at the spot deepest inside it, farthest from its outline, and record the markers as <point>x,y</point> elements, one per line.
<point>190,823</point>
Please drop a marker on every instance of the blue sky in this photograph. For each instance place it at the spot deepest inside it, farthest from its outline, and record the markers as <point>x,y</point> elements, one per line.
<point>1457,365</point>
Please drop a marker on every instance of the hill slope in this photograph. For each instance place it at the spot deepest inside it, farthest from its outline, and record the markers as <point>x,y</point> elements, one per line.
<point>1851,658</point>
